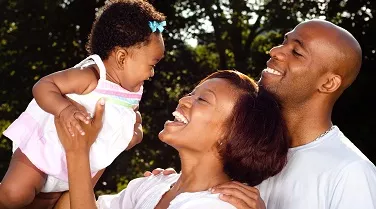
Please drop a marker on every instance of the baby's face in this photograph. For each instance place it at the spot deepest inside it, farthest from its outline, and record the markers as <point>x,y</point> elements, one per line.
<point>140,63</point>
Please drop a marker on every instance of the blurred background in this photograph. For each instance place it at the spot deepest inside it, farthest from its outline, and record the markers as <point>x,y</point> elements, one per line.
<point>44,36</point>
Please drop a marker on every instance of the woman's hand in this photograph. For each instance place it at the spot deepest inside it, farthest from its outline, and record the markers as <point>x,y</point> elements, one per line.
<point>71,116</point>
<point>157,171</point>
<point>78,141</point>
<point>138,133</point>
<point>239,195</point>
<point>77,149</point>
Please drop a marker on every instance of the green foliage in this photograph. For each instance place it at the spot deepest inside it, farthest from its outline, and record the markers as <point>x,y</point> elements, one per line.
<point>41,37</point>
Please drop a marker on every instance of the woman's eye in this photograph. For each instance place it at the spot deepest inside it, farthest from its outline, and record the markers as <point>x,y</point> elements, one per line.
<point>202,99</point>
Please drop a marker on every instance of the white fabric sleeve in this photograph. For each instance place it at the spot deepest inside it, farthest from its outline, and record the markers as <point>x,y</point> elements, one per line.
<point>123,200</point>
<point>122,134</point>
<point>356,187</point>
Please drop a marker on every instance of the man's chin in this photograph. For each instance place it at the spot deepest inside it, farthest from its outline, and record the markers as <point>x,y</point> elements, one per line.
<point>271,89</point>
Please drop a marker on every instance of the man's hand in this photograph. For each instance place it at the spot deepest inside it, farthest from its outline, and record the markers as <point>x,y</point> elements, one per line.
<point>240,195</point>
<point>157,171</point>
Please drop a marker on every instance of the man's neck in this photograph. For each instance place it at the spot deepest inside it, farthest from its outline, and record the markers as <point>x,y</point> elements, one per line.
<point>306,123</point>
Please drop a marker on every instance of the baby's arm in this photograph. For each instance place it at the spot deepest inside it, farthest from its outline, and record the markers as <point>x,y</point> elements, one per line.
<point>49,92</point>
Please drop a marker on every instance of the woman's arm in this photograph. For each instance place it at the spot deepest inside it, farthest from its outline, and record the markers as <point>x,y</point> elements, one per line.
<point>77,149</point>
<point>64,201</point>
<point>80,186</point>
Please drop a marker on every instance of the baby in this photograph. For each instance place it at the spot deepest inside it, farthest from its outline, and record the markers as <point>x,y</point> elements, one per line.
<point>125,44</point>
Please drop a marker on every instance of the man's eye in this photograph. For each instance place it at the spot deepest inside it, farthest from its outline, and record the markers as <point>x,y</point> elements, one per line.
<point>296,53</point>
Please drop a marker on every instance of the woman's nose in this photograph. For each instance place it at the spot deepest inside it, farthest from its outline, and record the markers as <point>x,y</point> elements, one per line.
<point>186,101</point>
<point>278,53</point>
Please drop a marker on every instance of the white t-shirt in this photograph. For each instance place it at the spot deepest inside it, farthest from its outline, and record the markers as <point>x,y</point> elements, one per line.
<point>146,192</point>
<point>330,173</point>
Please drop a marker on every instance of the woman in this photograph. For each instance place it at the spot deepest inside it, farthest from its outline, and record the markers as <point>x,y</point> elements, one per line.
<point>223,130</point>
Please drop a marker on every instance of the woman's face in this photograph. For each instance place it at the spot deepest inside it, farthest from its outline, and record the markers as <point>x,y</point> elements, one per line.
<point>201,116</point>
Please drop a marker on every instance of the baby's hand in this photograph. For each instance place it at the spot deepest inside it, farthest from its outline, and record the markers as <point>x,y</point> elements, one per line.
<point>70,117</point>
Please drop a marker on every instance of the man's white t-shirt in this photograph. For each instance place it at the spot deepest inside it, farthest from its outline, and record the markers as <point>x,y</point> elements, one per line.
<point>145,193</point>
<point>330,173</point>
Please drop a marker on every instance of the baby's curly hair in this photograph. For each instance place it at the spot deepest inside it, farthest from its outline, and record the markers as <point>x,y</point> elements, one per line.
<point>121,23</point>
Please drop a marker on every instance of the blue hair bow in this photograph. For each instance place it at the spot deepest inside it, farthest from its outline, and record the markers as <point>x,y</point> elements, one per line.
<point>154,25</point>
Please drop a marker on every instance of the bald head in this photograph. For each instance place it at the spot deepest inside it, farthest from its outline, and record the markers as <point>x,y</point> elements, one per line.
<point>345,55</point>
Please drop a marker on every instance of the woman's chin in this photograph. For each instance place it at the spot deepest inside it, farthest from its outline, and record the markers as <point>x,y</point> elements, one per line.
<point>164,136</point>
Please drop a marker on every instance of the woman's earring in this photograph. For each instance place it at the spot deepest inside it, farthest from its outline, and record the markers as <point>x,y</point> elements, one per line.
<point>220,143</point>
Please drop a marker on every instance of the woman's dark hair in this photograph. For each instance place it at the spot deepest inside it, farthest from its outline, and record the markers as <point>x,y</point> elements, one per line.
<point>121,23</point>
<point>255,147</point>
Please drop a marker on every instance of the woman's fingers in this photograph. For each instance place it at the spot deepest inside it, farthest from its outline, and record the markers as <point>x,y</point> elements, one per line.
<point>98,113</point>
<point>169,171</point>
<point>137,136</point>
<point>78,127</point>
<point>138,117</point>
<point>69,129</point>
<point>80,115</point>
<point>147,174</point>
<point>157,171</point>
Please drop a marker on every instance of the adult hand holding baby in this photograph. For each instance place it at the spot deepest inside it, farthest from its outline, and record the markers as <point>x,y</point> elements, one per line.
<point>71,143</point>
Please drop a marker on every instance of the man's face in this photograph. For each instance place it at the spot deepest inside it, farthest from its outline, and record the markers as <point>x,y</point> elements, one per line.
<point>295,66</point>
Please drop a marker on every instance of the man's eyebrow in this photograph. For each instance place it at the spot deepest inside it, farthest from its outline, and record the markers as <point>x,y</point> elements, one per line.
<point>301,44</point>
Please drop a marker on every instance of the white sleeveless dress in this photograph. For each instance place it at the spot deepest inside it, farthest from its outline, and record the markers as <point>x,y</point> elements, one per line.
<point>35,135</point>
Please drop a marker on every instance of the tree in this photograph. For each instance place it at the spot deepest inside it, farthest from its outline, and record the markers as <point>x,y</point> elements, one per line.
<point>38,38</point>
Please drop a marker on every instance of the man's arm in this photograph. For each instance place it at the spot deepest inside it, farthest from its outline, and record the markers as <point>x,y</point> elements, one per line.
<point>356,187</point>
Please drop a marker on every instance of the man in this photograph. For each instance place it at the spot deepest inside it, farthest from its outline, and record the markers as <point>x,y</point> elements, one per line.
<point>307,73</point>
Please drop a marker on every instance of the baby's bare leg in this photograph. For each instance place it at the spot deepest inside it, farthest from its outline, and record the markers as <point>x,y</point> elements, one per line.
<point>63,202</point>
<point>45,201</point>
<point>21,182</point>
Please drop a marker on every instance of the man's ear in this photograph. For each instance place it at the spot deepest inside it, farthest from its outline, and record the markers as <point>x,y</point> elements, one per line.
<point>331,84</point>
<point>121,57</point>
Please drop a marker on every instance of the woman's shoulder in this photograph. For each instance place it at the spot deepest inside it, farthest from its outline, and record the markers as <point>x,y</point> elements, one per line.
<point>138,190</point>
<point>153,180</point>
<point>202,200</point>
